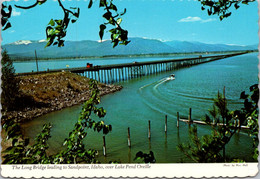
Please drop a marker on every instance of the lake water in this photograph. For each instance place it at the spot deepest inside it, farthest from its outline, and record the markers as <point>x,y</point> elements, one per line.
<point>153,97</point>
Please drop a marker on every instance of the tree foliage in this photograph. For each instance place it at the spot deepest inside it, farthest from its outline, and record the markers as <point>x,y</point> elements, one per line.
<point>249,113</point>
<point>10,84</point>
<point>144,157</point>
<point>222,7</point>
<point>6,12</point>
<point>56,29</point>
<point>224,124</point>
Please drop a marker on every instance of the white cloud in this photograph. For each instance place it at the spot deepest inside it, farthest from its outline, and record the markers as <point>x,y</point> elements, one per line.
<point>208,20</point>
<point>190,19</point>
<point>195,19</point>
<point>12,31</point>
<point>15,13</point>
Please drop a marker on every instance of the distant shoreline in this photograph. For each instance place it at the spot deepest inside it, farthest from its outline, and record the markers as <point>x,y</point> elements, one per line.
<point>22,59</point>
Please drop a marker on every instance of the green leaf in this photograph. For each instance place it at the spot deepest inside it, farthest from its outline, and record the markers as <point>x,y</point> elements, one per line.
<point>48,44</point>
<point>102,3</point>
<point>3,21</point>
<point>26,141</point>
<point>52,23</point>
<point>56,31</point>
<point>14,141</point>
<point>243,95</point>
<point>209,12</point>
<point>102,27</point>
<point>116,41</point>
<point>90,3</point>
<point>107,15</point>
<point>113,7</point>
<point>245,2</point>
<point>58,21</point>
<point>8,25</point>
<point>40,2</point>
<point>119,20</point>
<point>236,6</point>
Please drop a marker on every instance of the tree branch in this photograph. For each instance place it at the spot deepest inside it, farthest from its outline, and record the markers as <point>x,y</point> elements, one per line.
<point>28,7</point>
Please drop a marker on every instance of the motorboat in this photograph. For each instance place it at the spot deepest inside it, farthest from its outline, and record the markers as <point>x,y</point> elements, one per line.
<point>171,77</point>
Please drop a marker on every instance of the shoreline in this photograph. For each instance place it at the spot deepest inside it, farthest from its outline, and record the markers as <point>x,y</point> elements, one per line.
<point>74,92</point>
<point>27,59</point>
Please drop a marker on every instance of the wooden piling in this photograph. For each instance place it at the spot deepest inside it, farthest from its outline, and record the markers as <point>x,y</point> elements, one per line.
<point>95,75</point>
<point>122,71</point>
<point>111,77</point>
<point>126,73</point>
<point>165,127</point>
<point>36,61</point>
<point>99,75</point>
<point>104,145</point>
<point>118,72</point>
<point>178,119</point>
<point>189,117</point>
<point>107,75</point>
<point>128,136</point>
<point>149,129</point>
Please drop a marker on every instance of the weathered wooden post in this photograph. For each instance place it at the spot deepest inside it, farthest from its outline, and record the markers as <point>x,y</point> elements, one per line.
<point>128,136</point>
<point>95,75</point>
<point>178,118</point>
<point>126,73</point>
<point>122,71</point>
<point>104,145</point>
<point>149,129</point>
<point>92,74</point>
<point>107,75</point>
<point>98,74</point>
<point>165,128</point>
<point>189,117</point>
<point>36,60</point>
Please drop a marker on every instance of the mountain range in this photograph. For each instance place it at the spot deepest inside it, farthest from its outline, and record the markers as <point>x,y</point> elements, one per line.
<point>88,48</point>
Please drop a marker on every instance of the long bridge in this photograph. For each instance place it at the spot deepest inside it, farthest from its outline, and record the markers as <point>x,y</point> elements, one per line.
<point>126,71</point>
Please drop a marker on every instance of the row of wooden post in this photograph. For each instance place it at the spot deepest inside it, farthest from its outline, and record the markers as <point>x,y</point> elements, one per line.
<point>114,74</point>
<point>149,130</point>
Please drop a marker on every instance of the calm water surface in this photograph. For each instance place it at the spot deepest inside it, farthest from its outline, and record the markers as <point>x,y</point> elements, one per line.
<point>151,98</point>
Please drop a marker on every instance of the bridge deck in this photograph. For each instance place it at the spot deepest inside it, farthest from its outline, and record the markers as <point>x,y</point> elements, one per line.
<point>126,71</point>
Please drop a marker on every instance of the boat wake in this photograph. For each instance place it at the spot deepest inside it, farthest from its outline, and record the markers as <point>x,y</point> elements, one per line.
<point>152,96</point>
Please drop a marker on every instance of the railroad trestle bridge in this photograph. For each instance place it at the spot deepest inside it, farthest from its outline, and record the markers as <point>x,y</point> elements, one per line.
<point>126,71</point>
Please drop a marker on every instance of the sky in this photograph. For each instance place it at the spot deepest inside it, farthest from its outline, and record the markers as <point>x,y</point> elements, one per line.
<point>164,20</point>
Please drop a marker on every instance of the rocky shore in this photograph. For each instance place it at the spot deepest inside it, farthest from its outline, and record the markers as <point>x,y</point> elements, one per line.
<point>41,94</point>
